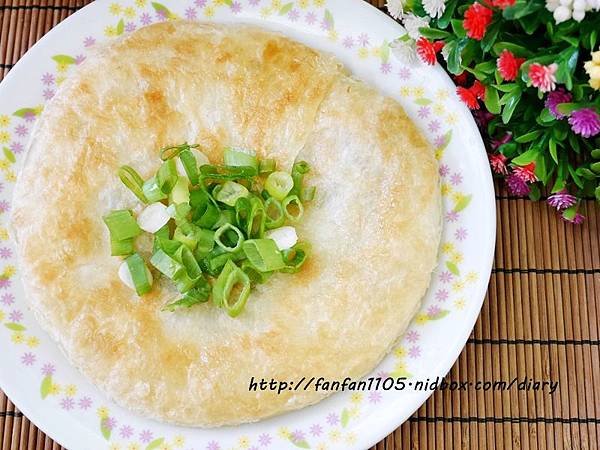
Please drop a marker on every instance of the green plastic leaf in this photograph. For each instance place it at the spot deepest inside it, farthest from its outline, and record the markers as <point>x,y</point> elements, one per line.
<point>345,417</point>
<point>491,100</point>
<point>444,20</point>
<point>546,116</point>
<point>9,155</point>
<point>490,36</point>
<point>510,106</point>
<point>24,111</point>
<point>576,178</point>
<point>457,27</point>
<point>567,108</point>
<point>453,268</point>
<point>329,18</point>
<point>522,8</point>
<point>569,213</point>
<point>120,27</point>
<point>423,101</point>
<point>15,326</point>
<point>434,33</point>
<point>462,203</point>
<point>596,153</point>
<point>553,150</point>
<point>518,50</point>
<point>528,137</point>
<point>162,9</point>
<point>64,59</point>
<point>440,315</point>
<point>454,55</point>
<point>586,173</point>
<point>105,430</point>
<point>525,158</point>
<point>286,8</point>
<point>506,87</point>
<point>595,167</point>
<point>155,444</point>
<point>45,386</point>
<point>228,2</point>
<point>534,192</point>
<point>486,67</point>
<point>597,193</point>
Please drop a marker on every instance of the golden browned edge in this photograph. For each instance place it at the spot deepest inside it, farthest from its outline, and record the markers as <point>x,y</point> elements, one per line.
<point>541,321</point>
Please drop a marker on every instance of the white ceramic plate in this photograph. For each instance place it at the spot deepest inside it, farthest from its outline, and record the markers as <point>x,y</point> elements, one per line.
<point>37,377</point>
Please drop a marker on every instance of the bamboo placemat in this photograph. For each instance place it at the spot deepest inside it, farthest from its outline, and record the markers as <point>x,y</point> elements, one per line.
<point>540,319</point>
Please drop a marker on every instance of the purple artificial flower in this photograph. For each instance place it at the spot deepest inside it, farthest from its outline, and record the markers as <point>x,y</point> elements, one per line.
<point>236,7</point>
<point>310,18</point>
<point>16,147</point>
<point>433,310</point>
<point>452,216</point>
<point>348,42</point>
<point>213,445</point>
<point>5,252</point>
<point>146,436</point>
<point>374,397</point>
<point>190,14</point>
<point>15,316</point>
<point>29,116</point>
<point>562,200</point>
<point>161,15</point>
<point>21,130</point>
<point>444,170</point>
<point>126,431</point>
<point>48,79</point>
<point>89,41</point>
<point>294,15</point>
<point>460,234</point>
<point>85,403</point>
<point>316,430</point>
<point>412,336</point>
<point>333,419</point>
<point>517,186</point>
<point>385,68</point>
<point>456,179</point>
<point>423,112</point>
<point>497,142</point>
<point>363,40</point>
<point>79,59</point>
<point>130,27</point>
<point>4,205</point>
<point>414,352</point>
<point>585,122</point>
<point>5,283</point>
<point>298,436</point>
<point>48,94</point>
<point>200,3</point>
<point>146,19</point>
<point>441,295</point>
<point>48,369</point>
<point>404,73</point>
<point>482,117</point>
<point>8,299</point>
<point>67,403</point>
<point>554,99</point>
<point>434,126</point>
<point>251,2</point>
<point>264,439</point>
<point>28,359</point>
<point>110,423</point>
<point>439,141</point>
<point>445,277</point>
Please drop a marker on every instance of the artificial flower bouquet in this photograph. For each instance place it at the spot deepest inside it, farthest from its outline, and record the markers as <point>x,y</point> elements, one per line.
<point>530,72</point>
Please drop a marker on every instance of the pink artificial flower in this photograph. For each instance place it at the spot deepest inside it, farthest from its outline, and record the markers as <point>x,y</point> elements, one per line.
<point>562,200</point>
<point>526,173</point>
<point>543,77</point>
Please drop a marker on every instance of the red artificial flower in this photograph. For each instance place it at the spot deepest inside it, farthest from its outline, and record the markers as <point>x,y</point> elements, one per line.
<point>508,65</point>
<point>478,89</point>
<point>503,3</point>
<point>526,173</point>
<point>428,50</point>
<point>461,78</point>
<point>468,97</point>
<point>477,20</point>
<point>498,163</point>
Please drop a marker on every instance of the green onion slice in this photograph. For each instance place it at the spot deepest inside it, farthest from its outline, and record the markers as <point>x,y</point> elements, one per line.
<point>235,157</point>
<point>194,296</point>
<point>224,295</point>
<point>230,192</point>
<point>293,208</point>
<point>255,275</point>
<point>279,184</point>
<point>123,247</point>
<point>299,169</point>
<point>206,212</point>
<point>190,166</point>
<point>295,257</point>
<point>263,254</point>
<point>152,190</point>
<point>308,193</point>
<point>132,180</point>
<point>217,258</point>
<point>167,265</point>
<point>180,192</point>
<point>274,215</point>
<point>167,176</point>
<point>121,225</point>
<point>229,237</point>
<point>167,153</point>
<point>211,172</point>
<point>140,275</point>
<point>267,166</point>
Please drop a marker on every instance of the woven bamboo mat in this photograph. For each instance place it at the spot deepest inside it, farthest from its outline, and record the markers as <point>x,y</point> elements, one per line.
<point>540,320</point>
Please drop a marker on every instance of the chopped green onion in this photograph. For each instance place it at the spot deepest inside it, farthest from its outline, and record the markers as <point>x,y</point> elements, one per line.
<point>267,166</point>
<point>225,216</point>
<point>293,208</point>
<point>235,157</point>
<point>194,296</point>
<point>255,227</point>
<point>140,275</point>
<point>256,276</point>
<point>153,217</point>
<point>167,245</point>
<point>123,247</point>
<point>295,257</point>
<point>299,169</point>
<point>167,265</point>
<point>167,176</point>
<point>279,184</point>
<point>231,277</point>
<point>230,192</point>
<point>229,237</point>
<point>206,212</point>
<point>210,172</point>
<point>180,192</point>
<point>121,225</point>
<point>187,280</point>
<point>167,153</point>
<point>132,180</point>
<point>217,258</point>
<point>263,254</point>
<point>163,233</point>
<point>274,215</point>
<point>190,166</point>
<point>206,242</point>
<point>308,194</point>
<point>152,191</point>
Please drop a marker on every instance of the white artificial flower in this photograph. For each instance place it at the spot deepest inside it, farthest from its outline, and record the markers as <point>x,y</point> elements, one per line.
<point>405,50</point>
<point>578,14</point>
<point>435,8</point>
<point>551,5</point>
<point>562,14</point>
<point>412,24</point>
<point>395,8</point>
